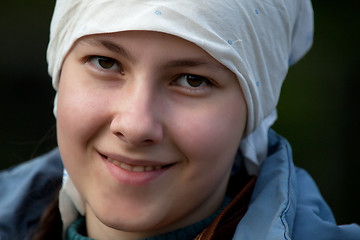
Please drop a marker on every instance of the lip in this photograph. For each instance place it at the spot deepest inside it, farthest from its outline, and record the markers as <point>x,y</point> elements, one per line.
<point>133,172</point>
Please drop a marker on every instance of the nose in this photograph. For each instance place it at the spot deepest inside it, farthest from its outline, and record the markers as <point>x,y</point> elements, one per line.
<point>136,120</point>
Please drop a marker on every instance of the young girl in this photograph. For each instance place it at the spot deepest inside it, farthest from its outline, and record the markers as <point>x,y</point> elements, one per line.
<point>163,113</point>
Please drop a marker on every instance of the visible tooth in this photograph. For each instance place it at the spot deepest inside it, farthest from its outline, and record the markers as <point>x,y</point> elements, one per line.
<point>149,168</point>
<point>134,168</point>
<point>125,166</point>
<point>138,169</point>
<point>114,162</point>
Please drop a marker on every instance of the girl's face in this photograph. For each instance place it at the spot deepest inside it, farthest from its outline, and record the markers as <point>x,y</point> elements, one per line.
<point>148,127</point>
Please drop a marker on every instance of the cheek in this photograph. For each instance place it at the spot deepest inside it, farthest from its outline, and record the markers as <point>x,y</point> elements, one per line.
<point>80,110</point>
<point>209,138</point>
<point>211,134</point>
<point>80,116</point>
<point>73,117</point>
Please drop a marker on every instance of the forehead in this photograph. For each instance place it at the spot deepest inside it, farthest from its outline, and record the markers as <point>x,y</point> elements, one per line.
<point>130,44</point>
<point>141,39</point>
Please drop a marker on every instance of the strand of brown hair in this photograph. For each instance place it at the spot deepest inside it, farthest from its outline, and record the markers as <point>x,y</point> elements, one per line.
<point>50,224</point>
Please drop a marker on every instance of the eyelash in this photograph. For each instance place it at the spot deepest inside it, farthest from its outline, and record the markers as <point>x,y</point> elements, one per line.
<point>204,82</point>
<point>94,60</point>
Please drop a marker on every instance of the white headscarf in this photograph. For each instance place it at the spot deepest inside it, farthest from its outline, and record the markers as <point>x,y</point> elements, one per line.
<point>255,39</point>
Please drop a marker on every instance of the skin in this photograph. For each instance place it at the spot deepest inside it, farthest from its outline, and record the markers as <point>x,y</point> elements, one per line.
<point>140,103</point>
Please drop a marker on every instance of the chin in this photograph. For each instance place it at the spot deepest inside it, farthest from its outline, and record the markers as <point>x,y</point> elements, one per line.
<point>143,224</point>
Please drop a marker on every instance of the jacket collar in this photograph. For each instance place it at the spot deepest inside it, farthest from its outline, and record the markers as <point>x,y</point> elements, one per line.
<point>271,212</point>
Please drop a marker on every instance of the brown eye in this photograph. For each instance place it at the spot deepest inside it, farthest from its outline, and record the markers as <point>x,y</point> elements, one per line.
<point>193,81</point>
<point>106,63</point>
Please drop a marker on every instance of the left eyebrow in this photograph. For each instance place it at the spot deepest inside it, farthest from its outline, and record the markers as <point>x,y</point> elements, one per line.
<point>112,47</point>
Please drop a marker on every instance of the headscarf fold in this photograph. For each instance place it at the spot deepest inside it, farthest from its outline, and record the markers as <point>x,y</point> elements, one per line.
<point>256,39</point>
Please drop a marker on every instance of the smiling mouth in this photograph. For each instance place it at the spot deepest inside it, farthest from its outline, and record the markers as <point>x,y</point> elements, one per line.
<point>135,168</point>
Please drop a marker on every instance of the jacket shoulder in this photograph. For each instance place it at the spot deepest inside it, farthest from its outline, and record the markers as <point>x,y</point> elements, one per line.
<point>289,203</point>
<point>314,219</point>
<point>26,190</point>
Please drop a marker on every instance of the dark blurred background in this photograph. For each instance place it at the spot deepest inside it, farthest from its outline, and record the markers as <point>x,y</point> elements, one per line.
<point>318,109</point>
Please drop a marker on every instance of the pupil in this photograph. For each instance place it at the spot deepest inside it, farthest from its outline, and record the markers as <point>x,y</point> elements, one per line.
<point>194,81</point>
<point>106,62</point>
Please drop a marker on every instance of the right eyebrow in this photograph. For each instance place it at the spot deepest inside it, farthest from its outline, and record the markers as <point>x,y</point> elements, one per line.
<point>111,47</point>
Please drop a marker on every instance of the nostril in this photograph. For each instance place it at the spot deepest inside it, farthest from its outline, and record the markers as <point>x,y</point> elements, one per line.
<point>147,142</point>
<point>119,134</point>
